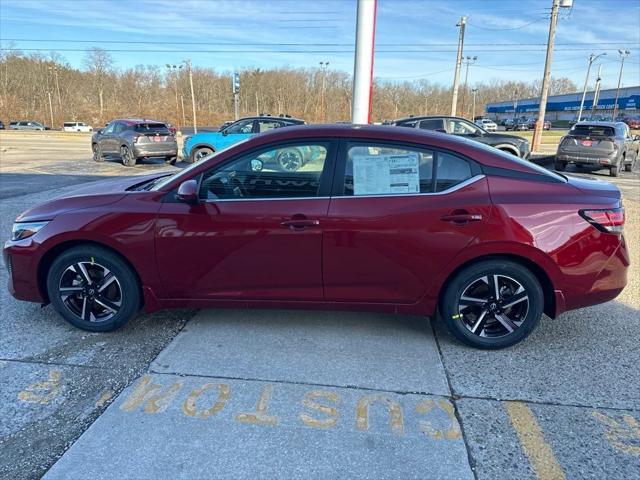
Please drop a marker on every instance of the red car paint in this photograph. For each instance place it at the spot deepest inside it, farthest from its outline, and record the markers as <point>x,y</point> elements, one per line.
<point>389,254</point>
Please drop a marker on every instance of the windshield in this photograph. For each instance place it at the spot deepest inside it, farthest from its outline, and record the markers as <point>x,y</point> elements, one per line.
<point>185,172</point>
<point>592,131</point>
<point>150,127</point>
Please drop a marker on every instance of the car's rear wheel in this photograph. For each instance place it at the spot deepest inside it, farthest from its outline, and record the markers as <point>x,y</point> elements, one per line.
<point>171,160</point>
<point>200,153</point>
<point>93,289</point>
<point>128,160</point>
<point>560,166</point>
<point>492,304</point>
<point>613,171</point>
<point>97,152</point>
<point>290,159</point>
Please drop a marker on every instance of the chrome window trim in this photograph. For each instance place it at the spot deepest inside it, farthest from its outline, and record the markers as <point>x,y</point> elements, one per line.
<point>456,187</point>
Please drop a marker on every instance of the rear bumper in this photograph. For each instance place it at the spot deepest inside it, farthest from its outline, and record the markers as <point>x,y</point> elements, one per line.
<point>583,159</point>
<point>155,149</point>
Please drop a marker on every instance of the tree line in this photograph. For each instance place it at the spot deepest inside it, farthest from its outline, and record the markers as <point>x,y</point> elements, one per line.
<point>48,89</point>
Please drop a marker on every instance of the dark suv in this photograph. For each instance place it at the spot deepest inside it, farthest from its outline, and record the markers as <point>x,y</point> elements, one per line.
<point>459,126</point>
<point>134,139</point>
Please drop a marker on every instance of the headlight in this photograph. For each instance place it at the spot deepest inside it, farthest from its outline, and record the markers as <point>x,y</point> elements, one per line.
<point>22,230</point>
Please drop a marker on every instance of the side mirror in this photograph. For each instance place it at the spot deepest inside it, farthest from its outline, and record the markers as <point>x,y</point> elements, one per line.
<point>256,165</point>
<point>224,132</point>
<point>188,192</point>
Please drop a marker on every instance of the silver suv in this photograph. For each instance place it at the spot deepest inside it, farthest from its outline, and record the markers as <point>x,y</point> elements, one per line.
<point>604,144</point>
<point>134,139</point>
<point>26,126</point>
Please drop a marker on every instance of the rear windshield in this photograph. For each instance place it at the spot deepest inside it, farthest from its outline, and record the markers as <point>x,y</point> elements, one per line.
<point>150,127</point>
<point>592,131</point>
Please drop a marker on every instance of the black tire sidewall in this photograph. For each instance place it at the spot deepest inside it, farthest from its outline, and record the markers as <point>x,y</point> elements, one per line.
<point>449,302</point>
<point>128,160</point>
<point>131,297</point>
<point>97,155</point>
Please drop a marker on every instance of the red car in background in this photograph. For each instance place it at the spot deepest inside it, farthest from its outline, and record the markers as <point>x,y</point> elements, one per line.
<point>379,218</point>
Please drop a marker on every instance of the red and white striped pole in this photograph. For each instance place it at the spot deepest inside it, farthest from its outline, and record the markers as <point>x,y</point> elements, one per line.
<point>363,66</point>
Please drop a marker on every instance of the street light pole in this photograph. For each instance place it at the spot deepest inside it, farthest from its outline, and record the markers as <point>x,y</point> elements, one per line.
<point>473,109</point>
<point>193,96</point>
<point>456,76</point>
<point>537,132</point>
<point>176,70</point>
<point>363,63</point>
<point>592,58</point>
<point>623,55</point>
<point>596,91</point>
<point>468,61</point>
<point>323,67</point>
<point>50,108</point>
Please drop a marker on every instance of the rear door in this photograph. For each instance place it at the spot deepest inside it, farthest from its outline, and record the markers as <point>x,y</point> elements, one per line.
<point>398,215</point>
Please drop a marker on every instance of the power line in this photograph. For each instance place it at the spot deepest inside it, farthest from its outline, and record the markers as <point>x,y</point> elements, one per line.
<point>510,28</point>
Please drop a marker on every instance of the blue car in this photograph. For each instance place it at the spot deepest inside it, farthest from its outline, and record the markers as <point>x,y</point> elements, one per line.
<point>202,144</point>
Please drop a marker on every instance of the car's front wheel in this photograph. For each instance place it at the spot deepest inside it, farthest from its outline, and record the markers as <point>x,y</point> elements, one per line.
<point>492,304</point>
<point>201,153</point>
<point>290,160</point>
<point>93,289</point>
<point>97,152</point>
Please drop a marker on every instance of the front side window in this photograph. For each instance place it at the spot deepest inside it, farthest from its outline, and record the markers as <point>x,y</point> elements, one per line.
<point>109,128</point>
<point>372,169</point>
<point>289,171</point>
<point>244,126</point>
<point>462,127</point>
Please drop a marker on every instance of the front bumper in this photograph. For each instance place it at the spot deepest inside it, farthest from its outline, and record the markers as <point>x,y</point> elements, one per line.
<point>21,260</point>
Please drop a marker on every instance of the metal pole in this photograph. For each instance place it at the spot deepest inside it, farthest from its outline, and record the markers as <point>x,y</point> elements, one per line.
<point>323,67</point>
<point>596,91</point>
<point>473,110</point>
<point>623,54</point>
<point>584,89</point>
<point>50,108</point>
<point>193,96</point>
<point>469,61</point>
<point>184,118</point>
<point>537,132</point>
<point>363,64</point>
<point>456,76</point>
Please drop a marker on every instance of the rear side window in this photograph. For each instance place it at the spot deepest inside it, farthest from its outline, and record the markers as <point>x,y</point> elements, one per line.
<point>592,131</point>
<point>432,124</point>
<point>450,171</point>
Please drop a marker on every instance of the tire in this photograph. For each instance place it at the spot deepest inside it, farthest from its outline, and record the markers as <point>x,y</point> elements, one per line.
<point>484,322</point>
<point>128,160</point>
<point>290,159</point>
<point>171,160</point>
<point>97,153</point>
<point>613,171</point>
<point>560,166</point>
<point>199,153</point>
<point>93,309</point>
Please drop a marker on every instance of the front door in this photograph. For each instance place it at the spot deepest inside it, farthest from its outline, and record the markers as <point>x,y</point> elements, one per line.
<point>257,232</point>
<point>398,216</point>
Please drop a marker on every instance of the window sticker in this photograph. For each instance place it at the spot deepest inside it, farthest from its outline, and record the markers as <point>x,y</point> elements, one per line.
<point>386,174</point>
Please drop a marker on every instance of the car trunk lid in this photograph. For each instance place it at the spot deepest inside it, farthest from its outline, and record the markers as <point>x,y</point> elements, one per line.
<point>592,186</point>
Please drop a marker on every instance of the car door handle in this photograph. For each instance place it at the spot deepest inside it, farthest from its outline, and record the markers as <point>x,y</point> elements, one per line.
<point>300,224</point>
<point>462,218</point>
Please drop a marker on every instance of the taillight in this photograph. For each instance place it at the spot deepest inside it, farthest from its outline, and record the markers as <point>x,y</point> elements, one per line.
<point>609,221</point>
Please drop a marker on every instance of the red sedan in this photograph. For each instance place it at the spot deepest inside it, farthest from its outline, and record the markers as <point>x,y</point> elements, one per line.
<point>375,218</point>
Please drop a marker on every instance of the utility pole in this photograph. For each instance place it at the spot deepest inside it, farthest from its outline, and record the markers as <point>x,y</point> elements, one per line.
<point>515,106</point>
<point>193,95</point>
<point>623,55</point>
<point>426,105</point>
<point>323,67</point>
<point>468,61</point>
<point>537,131</point>
<point>54,70</point>
<point>456,76</point>
<point>596,91</point>
<point>473,110</point>
<point>184,118</point>
<point>592,58</point>
<point>235,89</point>
<point>363,63</point>
<point>50,108</point>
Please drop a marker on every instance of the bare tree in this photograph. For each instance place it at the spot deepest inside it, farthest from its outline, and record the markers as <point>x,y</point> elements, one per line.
<point>99,63</point>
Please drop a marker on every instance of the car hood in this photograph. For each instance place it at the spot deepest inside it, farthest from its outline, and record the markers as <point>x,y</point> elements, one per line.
<point>88,196</point>
<point>593,186</point>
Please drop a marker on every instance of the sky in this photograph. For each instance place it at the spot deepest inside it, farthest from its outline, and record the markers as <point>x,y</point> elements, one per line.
<point>415,39</point>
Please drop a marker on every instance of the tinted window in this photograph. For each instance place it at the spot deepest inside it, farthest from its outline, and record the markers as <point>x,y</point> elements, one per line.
<point>431,124</point>
<point>68,124</point>
<point>451,170</point>
<point>291,171</point>
<point>243,126</point>
<point>592,131</point>
<point>150,127</point>
<point>120,127</point>
<point>372,169</point>
<point>264,125</point>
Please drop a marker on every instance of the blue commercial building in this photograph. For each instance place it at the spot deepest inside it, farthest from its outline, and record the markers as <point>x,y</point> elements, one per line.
<point>565,107</point>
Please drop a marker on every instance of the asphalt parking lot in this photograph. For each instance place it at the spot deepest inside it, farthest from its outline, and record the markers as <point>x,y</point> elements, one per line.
<point>297,394</point>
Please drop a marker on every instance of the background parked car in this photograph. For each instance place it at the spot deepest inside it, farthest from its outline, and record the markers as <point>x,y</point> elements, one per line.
<point>134,139</point>
<point>459,126</point>
<point>633,121</point>
<point>27,125</point>
<point>488,124</point>
<point>205,143</point>
<point>604,144</point>
<point>76,127</point>
<point>1,125</point>
<point>517,124</point>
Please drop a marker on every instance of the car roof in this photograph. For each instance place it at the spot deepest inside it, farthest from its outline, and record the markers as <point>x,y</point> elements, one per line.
<point>270,117</point>
<point>136,121</point>
<point>425,117</point>
<point>600,124</point>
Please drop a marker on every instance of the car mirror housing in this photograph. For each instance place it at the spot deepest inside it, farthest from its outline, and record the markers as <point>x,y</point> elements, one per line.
<point>188,192</point>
